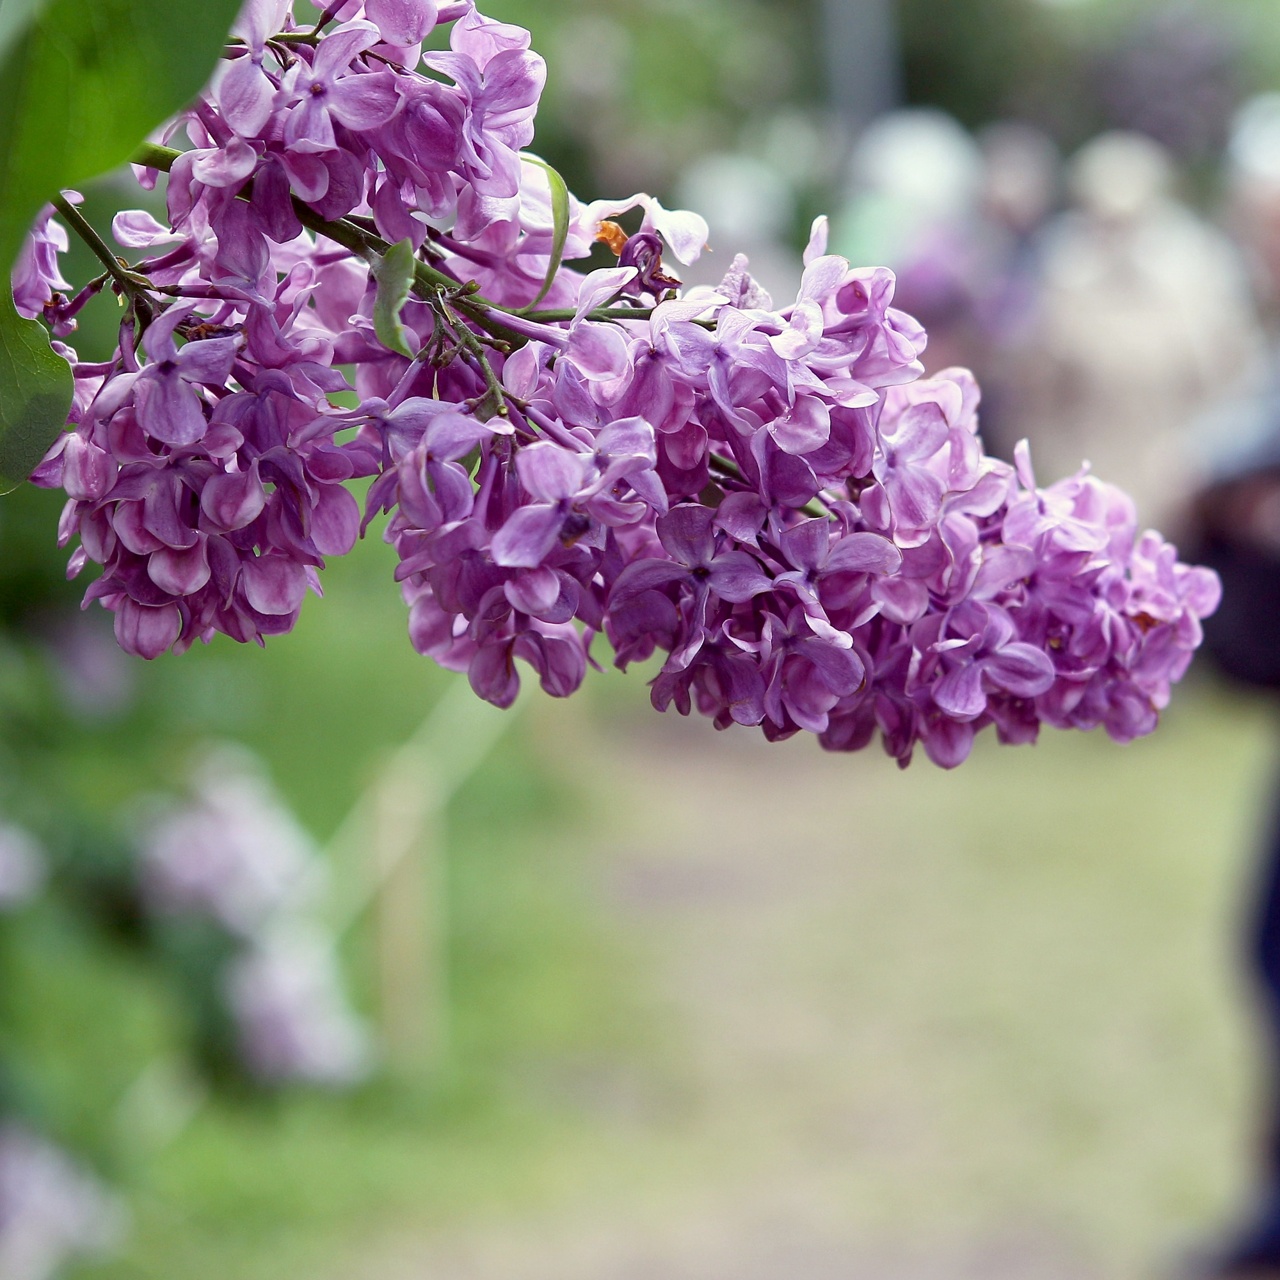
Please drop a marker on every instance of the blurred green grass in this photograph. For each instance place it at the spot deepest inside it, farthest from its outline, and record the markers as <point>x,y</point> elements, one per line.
<point>956,1001</point>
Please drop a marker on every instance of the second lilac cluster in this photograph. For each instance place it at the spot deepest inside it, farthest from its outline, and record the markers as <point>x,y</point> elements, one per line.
<point>810,534</point>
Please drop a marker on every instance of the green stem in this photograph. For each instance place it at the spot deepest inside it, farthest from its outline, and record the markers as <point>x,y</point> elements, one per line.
<point>726,467</point>
<point>72,216</point>
<point>600,313</point>
<point>603,313</point>
<point>495,390</point>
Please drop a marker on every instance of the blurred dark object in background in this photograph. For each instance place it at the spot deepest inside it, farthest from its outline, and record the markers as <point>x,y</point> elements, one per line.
<point>1237,532</point>
<point>861,35</point>
<point>984,60</point>
<point>1177,76</point>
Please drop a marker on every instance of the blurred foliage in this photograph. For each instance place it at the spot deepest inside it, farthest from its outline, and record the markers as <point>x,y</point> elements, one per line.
<point>1023,959</point>
<point>982,60</point>
<point>1175,70</point>
<point>81,86</point>
<point>635,92</point>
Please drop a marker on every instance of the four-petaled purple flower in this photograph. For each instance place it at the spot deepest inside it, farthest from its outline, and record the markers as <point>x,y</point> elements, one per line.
<point>169,406</point>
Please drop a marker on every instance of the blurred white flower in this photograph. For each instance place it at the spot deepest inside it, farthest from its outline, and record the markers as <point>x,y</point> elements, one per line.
<point>234,852</point>
<point>292,1019</point>
<point>23,870</point>
<point>51,1208</point>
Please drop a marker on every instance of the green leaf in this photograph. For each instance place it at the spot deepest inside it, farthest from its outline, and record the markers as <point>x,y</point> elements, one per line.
<point>394,274</point>
<point>15,17</point>
<point>81,84</point>
<point>35,394</point>
<point>559,222</point>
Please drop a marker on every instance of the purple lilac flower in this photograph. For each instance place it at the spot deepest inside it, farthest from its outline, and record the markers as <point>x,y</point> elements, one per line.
<point>403,23</point>
<point>168,484</point>
<point>36,275</point>
<point>327,93</point>
<point>243,89</point>
<point>772,497</point>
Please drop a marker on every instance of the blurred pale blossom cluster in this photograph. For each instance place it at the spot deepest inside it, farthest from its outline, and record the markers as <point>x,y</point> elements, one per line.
<point>285,992</point>
<point>1064,284</point>
<point>23,866</point>
<point>52,1209</point>
<point>234,854</point>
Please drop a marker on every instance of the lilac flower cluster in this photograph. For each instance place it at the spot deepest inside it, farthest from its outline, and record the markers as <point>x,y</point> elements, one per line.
<point>772,497</point>
<point>807,530</point>
<point>235,855</point>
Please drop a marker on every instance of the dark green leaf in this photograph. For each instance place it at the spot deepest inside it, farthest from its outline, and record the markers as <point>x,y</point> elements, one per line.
<point>35,394</point>
<point>15,17</point>
<point>560,224</point>
<point>394,274</point>
<point>81,84</point>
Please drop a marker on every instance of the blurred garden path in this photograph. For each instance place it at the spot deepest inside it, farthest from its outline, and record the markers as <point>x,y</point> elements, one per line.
<point>904,1027</point>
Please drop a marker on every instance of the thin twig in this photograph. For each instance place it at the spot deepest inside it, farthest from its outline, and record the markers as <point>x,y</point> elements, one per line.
<point>116,269</point>
<point>496,392</point>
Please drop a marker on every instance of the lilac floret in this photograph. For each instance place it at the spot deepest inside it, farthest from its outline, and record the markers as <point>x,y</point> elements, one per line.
<point>36,275</point>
